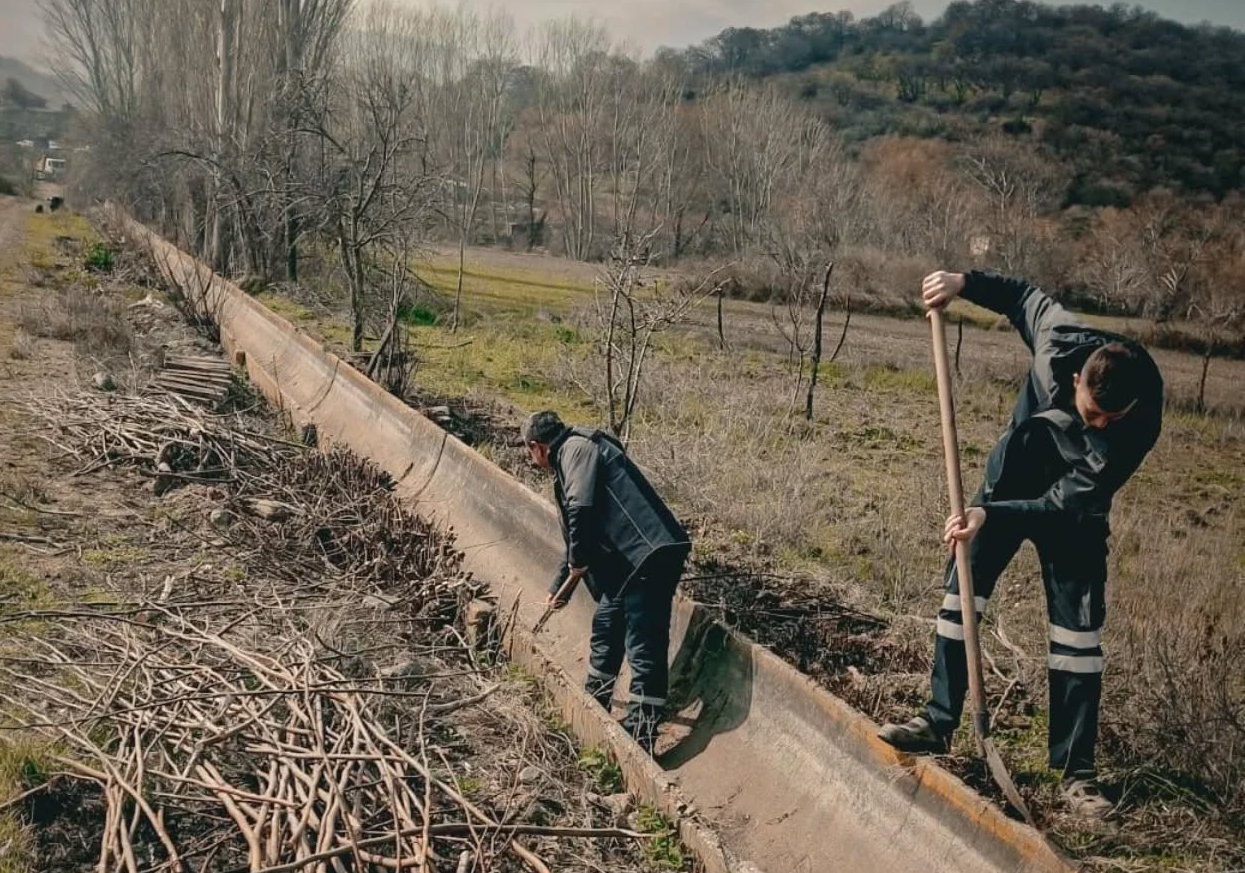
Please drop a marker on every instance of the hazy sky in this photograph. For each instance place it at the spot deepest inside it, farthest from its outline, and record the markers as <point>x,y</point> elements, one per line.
<point>648,23</point>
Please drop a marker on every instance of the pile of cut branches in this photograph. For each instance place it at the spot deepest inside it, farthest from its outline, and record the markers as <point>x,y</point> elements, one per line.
<point>325,523</point>
<point>163,436</point>
<point>304,702</point>
<point>330,521</point>
<point>223,736</point>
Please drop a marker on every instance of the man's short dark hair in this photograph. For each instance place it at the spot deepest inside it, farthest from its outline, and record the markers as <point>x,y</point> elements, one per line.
<point>1113,374</point>
<point>542,427</point>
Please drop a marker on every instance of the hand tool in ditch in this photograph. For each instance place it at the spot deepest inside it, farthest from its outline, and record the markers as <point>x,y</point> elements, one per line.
<point>968,609</point>
<point>564,589</point>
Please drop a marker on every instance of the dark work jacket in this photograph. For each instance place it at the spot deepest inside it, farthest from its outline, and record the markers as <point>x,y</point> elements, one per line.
<point>613,522</point>
<point>1096,462</point>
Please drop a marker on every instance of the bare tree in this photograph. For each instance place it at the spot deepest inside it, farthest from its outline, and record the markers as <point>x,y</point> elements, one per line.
<point>533,170</point>
<point>1113,261</point>
<point>643,134</point>
<point>468,67</point>
<point>226,113</point>
<point>192,107</point>
<point>917,201</point>
<point>104,43</point>
<point>819,202</point>
<point>307,31</point>
<point>683,202</point>
<point>572,102</point>
<point>380,188</point>
<point>393,362</point>
<point>1218,297</point>
<point>1021,187</point>
<point>758,143</point>
<point>802,325</point>
<point>720,294</point>
<point>1175,241</point>
<point>631,310</point>
<point>1221,315</point>
<point>815,356</point>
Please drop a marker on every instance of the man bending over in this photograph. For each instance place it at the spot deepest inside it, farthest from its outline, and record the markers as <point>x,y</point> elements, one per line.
<point>1089,412</point>
<point>627,546</point>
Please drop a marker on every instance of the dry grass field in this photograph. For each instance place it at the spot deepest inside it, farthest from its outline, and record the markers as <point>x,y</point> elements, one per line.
<point>820,538</point>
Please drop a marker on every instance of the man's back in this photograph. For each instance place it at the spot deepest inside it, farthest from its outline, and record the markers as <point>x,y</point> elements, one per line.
<point>633,523</point>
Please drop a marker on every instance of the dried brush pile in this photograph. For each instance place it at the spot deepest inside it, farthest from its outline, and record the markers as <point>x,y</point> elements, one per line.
<point>307,702</point>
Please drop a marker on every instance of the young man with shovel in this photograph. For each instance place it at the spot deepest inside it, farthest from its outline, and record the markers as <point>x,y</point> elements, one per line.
<point>625,544</point>
<point>1089,412</point>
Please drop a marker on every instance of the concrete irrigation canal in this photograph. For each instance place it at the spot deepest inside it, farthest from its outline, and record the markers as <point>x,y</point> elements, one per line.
<point>771,772</point>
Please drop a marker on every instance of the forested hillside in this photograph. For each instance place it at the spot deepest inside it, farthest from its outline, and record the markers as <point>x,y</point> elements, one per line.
<point>1129,101</point>
<point>27,88</point>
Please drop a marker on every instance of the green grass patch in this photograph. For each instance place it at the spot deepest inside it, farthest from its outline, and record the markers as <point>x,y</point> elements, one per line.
<point>1026,749</point>
<point>42,231</point>
<point>99,258</point>
<point>521,676</point>
<point>24,764</point>
<point>495,290</point>
<point>471,786</point>
<point>516,361</point>
<point>568,336</point>
<point>895,379</point>
<point>971,313</point>
<point>17,846</point>
<point>664,850</point>
<point>285,307</point>
<point>555,723</point>
<point>602,769</point>
<point>45,251</point>
<point>21,589</point>
<point>336,333</point>
<point>419,316</point>
<point>114,557</point>
<point>448,269</point>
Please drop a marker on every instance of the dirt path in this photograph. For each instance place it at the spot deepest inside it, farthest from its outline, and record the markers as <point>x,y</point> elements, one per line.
<point>29,365</point>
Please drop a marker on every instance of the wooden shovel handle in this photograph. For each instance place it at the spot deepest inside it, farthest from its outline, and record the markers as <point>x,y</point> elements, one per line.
<point>955,490</point>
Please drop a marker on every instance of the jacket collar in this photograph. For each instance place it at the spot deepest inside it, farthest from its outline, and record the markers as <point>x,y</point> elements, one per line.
<point>556,445</point>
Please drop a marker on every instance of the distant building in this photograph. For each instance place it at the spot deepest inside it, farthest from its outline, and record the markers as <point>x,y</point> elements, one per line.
<point>25,143</point>
<point>50,168</point>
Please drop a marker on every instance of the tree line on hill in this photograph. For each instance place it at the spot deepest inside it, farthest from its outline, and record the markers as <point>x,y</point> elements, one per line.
<point>368,131</point>
<point>1129,100</point>
<point>18,95</point>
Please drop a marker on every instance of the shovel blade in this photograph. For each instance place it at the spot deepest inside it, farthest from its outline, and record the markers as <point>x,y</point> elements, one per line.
<point>999,771</point>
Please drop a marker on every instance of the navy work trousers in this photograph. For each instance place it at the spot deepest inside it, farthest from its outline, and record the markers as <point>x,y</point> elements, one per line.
<point>635,623</point>
<point>1073,558</point>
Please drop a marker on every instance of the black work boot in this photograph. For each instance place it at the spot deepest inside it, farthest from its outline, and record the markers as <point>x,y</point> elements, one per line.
<point>915,736</point>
